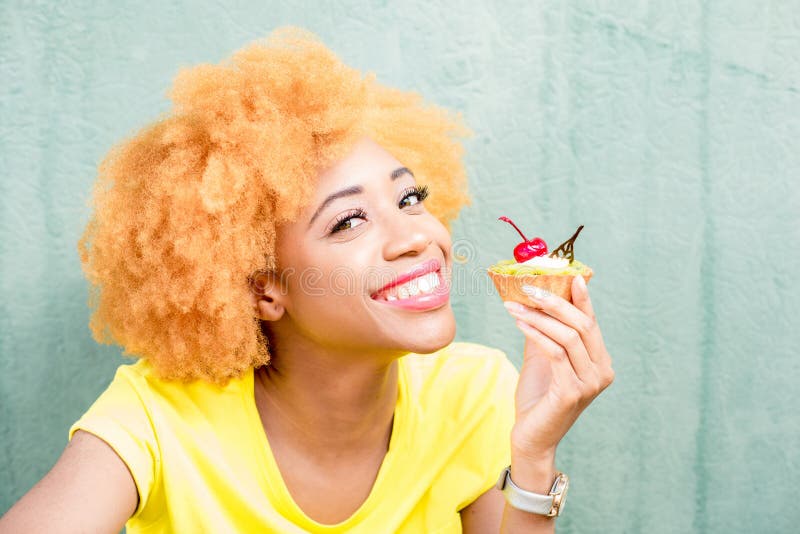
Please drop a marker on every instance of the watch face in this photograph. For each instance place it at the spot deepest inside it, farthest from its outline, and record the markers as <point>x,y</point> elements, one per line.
<point>562,501</point>
<point>559,484</point>
<point>559,492</point>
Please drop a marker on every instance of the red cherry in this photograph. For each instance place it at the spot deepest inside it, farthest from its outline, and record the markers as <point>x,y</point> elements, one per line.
<point>529,248</point>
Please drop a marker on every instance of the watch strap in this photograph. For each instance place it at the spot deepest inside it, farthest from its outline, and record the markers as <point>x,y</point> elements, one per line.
<point>523,499</point>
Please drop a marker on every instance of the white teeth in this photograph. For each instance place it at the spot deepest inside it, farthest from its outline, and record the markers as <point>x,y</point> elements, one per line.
<point>430,280</point>
<point>423,284</point>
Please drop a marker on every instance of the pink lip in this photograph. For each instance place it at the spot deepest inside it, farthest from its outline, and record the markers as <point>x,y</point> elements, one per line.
<point>423,301</point>
<point>421,269</point>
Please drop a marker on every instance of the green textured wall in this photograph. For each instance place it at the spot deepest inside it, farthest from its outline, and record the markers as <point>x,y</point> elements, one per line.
<point>670,129</point>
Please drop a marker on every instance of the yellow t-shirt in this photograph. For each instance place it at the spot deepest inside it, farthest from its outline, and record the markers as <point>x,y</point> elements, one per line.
<point>202,462</point>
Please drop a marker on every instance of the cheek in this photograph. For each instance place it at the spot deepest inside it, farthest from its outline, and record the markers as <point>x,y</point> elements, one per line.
<point>330,284</point>
<point>332,309</point>
<point>445,238</point>
<point>441,235</point>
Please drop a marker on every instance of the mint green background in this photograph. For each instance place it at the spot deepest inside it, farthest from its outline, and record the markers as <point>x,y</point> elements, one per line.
<point>670,129</point>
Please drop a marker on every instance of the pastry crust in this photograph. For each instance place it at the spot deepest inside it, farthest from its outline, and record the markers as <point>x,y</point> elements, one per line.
<point>510,286</point>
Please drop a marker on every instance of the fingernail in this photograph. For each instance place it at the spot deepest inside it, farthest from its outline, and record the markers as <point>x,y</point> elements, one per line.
<point>513,306</point>
<point>536,293</point>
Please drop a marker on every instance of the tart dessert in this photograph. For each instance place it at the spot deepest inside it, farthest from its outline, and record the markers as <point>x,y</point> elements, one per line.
<point>532,266</point>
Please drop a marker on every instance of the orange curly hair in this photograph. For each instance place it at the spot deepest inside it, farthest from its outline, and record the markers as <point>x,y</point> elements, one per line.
<point>186,209</point>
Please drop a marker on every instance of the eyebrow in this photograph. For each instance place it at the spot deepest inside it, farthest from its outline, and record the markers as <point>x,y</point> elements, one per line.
<point>355,190</point>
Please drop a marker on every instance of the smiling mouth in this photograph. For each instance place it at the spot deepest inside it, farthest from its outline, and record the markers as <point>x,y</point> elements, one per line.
<point>426,284</point>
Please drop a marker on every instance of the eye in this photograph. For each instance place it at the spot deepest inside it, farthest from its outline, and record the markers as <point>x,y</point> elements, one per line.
<point>421,192</point>
<point>343,222</point>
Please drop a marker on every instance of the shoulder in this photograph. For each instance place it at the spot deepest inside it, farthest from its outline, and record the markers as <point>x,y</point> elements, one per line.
<point>121,417</point>
<point>125,396</point>
<point>139,403</point>
<point>140,380</point>
<point>122,412</point>
<point>459,359</point>
<point>462,374</point>
<point>136,377</point>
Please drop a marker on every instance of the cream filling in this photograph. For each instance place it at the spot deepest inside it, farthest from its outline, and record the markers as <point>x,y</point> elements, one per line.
<point>420,285</point>
<point>547,262</point>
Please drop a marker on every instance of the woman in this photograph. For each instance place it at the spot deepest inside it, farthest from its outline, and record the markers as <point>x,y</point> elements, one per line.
<point>260,249</point>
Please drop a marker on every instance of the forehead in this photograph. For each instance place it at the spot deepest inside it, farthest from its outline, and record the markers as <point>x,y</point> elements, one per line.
<point>367,161</point>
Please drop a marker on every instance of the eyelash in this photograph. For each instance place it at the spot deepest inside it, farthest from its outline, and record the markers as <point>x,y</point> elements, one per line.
<point>421,192</point>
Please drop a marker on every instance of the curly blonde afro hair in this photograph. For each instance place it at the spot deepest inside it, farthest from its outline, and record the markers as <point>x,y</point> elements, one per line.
<point>186,209</point>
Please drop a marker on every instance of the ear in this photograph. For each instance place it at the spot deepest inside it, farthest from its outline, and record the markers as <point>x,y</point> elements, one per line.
<point>267,295</point>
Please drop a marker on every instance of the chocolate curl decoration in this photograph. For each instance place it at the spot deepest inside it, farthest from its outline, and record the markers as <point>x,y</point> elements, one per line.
<point>564,250</point>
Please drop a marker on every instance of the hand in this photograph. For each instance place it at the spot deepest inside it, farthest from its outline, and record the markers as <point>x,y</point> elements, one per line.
<point>565,366</point>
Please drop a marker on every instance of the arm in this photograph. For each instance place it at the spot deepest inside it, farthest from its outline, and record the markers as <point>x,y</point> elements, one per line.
<point>89,489</point>
<point>565,367</point>
<point>490,513</point>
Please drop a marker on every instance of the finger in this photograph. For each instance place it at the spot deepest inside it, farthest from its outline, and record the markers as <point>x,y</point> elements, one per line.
<point>563,373</point>
<point>580,296</point>
<point>565,337</point>
<point>571,315</point>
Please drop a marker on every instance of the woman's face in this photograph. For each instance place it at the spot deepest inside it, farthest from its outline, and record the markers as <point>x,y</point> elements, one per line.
<point>366,227</point>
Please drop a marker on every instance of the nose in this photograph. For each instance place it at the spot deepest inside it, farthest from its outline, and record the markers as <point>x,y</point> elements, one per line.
<point>405,234</point>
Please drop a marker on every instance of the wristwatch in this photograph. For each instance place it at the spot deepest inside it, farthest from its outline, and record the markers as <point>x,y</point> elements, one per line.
<point>550,505</point>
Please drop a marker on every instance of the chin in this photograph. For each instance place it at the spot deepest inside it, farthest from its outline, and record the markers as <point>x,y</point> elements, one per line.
<point>435,335</point>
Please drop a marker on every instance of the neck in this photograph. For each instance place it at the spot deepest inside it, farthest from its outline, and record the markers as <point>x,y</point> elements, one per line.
<point>329,402</point>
